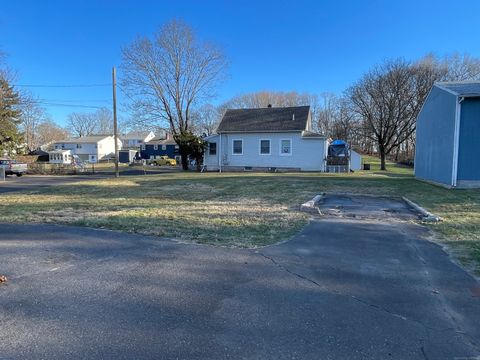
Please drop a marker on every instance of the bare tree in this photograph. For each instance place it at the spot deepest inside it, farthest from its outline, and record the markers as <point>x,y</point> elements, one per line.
<point>460,67</point>
<point>168,76</point>
<point>48,132</point>
<point>82,124</point>
<point>99,122</point>
<point>104,120</point>
<point>386,100</point>
<point>264,98</point>
<point>32,116</point>
<point>328,113</point>
<point>206,119</point>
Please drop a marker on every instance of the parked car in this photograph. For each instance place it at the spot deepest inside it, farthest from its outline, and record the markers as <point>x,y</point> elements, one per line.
<point>12,167</point>
<point>163,160</point>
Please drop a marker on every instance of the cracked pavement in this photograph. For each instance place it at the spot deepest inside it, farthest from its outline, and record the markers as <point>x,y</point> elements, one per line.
<point>343,288</point>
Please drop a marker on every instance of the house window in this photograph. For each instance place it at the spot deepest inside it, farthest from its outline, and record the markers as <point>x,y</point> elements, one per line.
<point>265,147</point>
<point>79,146</point>
<point>237,147</point>
<point>212,148</point>
<point>285,147</point>
<point>155,147</point>
<point>143,147</point>
<point>164,147</point>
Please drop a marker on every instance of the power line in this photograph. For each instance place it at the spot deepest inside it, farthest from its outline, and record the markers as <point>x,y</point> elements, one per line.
<point>62,86</point>
<point>75,101</point>
<point>70,105</point>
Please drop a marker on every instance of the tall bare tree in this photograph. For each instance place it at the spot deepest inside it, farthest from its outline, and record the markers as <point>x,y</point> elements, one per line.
<point>99,122</point>
<point>167,76</point>
<point>48,132</point>
<point>386,101</point>
<point>206,119</point>
<point>275,98</point>
<point>82,124</point>
<point>32,116</point>
<point>104,120</point>
<point>460,67</point>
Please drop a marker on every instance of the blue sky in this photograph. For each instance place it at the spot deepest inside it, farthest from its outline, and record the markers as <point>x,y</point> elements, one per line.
<point>303,45</point>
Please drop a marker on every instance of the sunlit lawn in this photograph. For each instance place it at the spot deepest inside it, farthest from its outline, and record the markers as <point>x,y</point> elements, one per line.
<point>236,209</point>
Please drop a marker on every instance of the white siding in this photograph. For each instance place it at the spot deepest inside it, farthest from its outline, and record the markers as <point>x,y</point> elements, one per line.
<point>100,149</point>
<point>355,161</point>
<point>308,154</point>
<point>211,161</point>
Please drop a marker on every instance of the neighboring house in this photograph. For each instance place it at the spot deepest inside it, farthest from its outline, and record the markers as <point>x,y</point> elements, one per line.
<point>134,139</point>
<point>90,148</point>
<point>160,147</point>
<point>266,139</point>
<point>448,133</point>
<point>60,157</point>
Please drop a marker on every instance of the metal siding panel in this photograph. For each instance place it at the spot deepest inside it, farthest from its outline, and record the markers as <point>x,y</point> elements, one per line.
<point>435,137</point>
<point>469,145</point>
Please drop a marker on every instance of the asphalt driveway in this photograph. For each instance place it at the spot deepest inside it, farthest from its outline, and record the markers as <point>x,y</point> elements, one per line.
<point>33,182</point>
<point>343,288</point>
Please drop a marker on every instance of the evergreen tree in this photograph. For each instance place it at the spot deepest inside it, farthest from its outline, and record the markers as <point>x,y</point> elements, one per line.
<point>9,117</point>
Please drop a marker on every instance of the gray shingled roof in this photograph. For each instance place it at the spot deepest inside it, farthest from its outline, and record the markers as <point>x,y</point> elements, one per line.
<point>162,141</point>
<point>134,135</point>
<point>265,119</point>
<point>461,88</point>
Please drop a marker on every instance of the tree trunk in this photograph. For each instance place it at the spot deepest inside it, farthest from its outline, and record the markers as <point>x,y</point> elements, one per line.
<point>184,155</point>
<point>382,159</point>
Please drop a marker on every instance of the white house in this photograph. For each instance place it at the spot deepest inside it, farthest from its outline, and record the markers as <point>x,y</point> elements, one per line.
<point>134,139</point>
<point>266,139</point>
<point>90,148</point>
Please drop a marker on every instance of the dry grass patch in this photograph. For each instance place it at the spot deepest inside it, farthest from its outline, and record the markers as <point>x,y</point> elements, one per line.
<point>236,209</point>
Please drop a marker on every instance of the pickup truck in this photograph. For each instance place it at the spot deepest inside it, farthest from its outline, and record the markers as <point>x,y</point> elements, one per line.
<point>163,160</point>
<point>12,167</point>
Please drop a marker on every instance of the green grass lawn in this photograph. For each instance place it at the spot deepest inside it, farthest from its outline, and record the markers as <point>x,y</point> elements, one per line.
<point>237,209</point>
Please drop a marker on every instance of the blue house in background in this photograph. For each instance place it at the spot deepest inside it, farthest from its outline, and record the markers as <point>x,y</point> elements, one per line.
<point>159,147</point>
<point>447,148</point>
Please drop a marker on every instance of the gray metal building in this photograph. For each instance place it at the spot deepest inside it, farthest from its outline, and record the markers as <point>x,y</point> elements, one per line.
<point>448,135</point>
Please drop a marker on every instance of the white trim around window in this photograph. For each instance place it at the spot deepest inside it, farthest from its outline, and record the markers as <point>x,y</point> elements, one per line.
<point>269,146</point>
<point>233,146</point>
<point>280,147</point>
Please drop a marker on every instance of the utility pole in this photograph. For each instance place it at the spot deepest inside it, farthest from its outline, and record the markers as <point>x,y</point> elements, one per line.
<point>115,130</point>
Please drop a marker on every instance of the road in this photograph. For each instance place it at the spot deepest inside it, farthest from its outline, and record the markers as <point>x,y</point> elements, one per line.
<point>343,288</point>
<point>32,182</point>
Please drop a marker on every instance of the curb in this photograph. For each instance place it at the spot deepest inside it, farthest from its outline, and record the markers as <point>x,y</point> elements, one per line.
<point>427,216</point>
<point>311,205</point>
